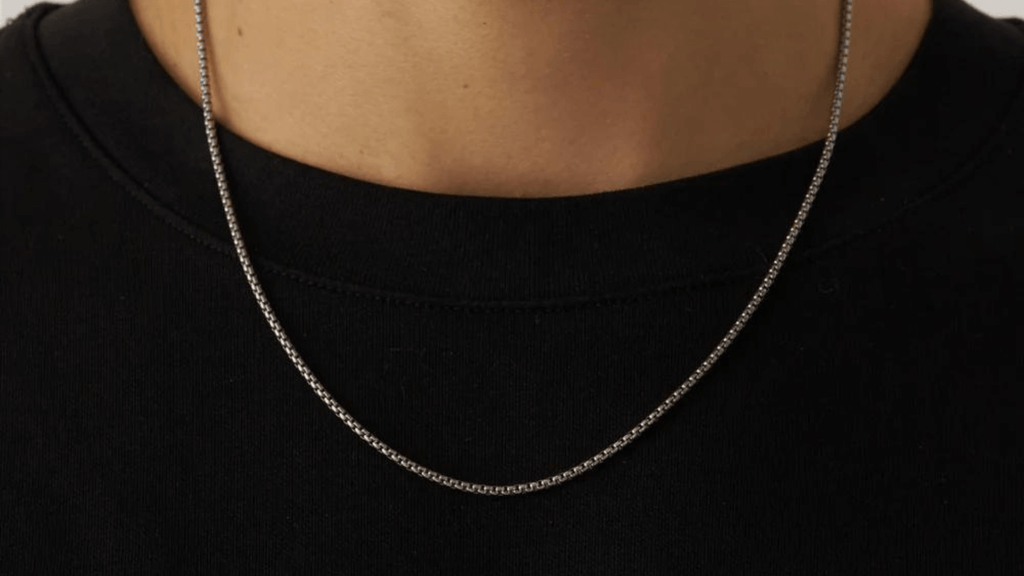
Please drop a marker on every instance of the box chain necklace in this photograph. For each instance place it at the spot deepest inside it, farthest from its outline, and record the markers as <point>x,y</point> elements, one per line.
<point>533,486</point>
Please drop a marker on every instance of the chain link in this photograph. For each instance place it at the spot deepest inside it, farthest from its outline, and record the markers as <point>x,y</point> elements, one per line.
<point>590,463</point>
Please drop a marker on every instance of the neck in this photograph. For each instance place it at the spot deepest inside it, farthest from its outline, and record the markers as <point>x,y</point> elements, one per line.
<point>532,98</point>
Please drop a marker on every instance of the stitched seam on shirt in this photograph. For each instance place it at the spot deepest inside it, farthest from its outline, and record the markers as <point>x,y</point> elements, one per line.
<point>974,162</point>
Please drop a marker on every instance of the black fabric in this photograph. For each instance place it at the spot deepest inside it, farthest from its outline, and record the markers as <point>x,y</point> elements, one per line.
<point>869,419</point>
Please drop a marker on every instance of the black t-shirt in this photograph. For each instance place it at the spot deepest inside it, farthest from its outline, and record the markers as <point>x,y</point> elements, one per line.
<point>869,419</point>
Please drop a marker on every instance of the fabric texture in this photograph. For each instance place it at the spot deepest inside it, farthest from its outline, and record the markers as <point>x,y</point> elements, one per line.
<point>869,419</point>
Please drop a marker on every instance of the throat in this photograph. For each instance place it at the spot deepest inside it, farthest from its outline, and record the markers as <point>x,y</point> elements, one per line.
<point>534,101</point>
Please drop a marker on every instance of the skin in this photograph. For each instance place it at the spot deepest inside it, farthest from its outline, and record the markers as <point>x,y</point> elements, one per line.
<point>532,98</point>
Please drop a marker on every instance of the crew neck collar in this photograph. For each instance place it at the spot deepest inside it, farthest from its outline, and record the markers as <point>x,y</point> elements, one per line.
<point>376,238</point>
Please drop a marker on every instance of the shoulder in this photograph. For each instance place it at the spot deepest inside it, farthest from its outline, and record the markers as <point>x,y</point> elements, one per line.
<point>46,166</point>
<point>32,129</point>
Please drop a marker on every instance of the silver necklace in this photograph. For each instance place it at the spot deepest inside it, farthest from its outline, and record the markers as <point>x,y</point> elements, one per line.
<point>636,431</point>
